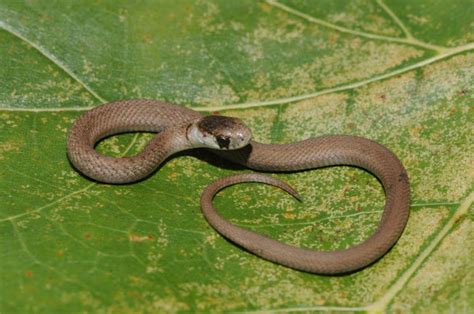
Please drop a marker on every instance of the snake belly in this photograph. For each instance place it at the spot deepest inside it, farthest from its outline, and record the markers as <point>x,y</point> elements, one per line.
<point>334,150</point>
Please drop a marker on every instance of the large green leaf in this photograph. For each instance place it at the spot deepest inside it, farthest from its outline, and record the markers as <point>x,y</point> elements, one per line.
<point>398,72</point>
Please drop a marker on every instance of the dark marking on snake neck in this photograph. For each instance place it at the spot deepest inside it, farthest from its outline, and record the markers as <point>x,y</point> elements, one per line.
<point>187,131</point>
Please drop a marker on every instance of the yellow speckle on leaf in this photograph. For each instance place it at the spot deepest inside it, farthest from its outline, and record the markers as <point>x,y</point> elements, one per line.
<point>289,215</point>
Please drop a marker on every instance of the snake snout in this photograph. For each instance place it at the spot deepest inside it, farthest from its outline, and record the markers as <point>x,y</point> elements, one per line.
<point>219,132</point>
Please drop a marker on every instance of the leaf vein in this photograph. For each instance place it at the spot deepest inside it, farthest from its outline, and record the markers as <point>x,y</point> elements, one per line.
<point>383,302</point>
<point>408,41</point>
<point>380,305</point>
<point>282,101</point>
<point>396,19</point>
<point>51,57</point>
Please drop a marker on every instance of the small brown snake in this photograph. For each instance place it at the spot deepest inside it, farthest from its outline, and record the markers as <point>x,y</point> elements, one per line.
<point>180,129</point>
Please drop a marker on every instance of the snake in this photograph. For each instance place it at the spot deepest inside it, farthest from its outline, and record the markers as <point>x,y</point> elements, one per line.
<point>179,128</point>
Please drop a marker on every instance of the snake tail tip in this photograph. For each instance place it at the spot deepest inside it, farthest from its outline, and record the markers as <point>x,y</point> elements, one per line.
<point>298,197</point>
<point>295,194</point>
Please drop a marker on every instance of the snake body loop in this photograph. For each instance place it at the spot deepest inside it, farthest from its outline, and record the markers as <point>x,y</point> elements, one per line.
<point>172,123</point>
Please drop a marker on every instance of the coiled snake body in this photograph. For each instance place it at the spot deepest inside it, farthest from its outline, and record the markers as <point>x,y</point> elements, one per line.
<point>180,128</point>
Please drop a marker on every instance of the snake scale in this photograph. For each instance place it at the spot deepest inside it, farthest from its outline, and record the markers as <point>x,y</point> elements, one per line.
<point>179,129</point>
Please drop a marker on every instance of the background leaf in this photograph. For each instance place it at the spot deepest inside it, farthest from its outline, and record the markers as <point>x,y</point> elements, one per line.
<point>398,72</point>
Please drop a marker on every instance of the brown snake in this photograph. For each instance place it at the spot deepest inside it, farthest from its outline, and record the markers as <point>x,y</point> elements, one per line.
<point>180,129</point>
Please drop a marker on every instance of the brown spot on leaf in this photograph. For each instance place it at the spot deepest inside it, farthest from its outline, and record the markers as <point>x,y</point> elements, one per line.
<point>351,125</point>
<point>138,238</point>
<point>134,294</point>
<point>289,215</point>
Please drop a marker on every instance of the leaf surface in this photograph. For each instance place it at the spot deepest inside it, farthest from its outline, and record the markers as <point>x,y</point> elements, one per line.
<point>397,72</point>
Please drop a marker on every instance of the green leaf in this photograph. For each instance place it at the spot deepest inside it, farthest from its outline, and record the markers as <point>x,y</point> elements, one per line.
<point>397,72</point>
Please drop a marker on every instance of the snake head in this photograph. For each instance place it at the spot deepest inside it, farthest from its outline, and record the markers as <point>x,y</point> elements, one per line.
<point>219,132</point>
